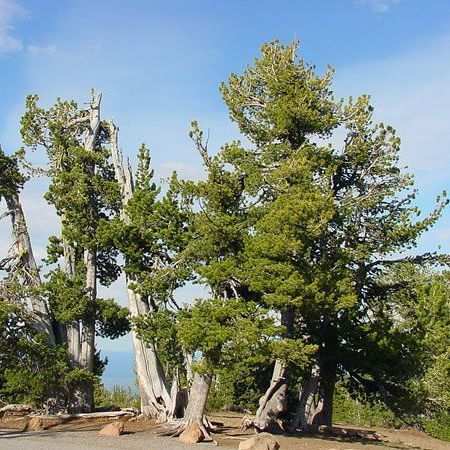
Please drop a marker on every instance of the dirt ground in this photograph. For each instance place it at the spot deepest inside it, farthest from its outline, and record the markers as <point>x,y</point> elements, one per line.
<point>81,433</point>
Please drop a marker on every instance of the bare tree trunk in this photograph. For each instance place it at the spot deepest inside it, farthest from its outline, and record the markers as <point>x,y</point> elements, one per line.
<point>274,401</point>
<point>29,267</point>
<point>29,270</point>
<point>155,397</point>
<point>198,395</point>
<point>195,411</point>
<point>81,336</point>
<point>156,400</point>
<point>306,406</point>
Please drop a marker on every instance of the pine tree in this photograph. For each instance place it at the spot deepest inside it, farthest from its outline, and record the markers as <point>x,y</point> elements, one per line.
<point>150,233</point>
<point>328,216</point>
<point>84,193</point>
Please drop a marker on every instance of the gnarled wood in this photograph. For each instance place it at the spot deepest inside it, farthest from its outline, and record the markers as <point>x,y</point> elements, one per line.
<point>81,336</point>
<point>273,402</point>
<point>28,267</point>
<point>195,412</point>
<point>156,400</point>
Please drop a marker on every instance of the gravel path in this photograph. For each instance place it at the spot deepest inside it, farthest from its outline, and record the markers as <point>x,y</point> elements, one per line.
<point>89,440</point>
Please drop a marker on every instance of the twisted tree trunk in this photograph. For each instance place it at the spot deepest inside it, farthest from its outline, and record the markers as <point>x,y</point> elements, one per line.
<point>195,411</point>
<point>274,401</point>
<point>307,406</point>
<point>156,400</point>
<point>28,267</point>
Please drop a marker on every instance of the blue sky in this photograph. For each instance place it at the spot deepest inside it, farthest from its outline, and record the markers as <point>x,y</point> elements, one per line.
<point>159,65</point>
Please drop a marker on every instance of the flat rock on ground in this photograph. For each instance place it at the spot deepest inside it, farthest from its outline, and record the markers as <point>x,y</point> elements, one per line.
<point>262,441</point>
<point>113,429</point>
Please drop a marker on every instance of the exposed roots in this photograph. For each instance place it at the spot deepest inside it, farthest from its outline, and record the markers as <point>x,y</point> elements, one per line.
<point>175,428</point>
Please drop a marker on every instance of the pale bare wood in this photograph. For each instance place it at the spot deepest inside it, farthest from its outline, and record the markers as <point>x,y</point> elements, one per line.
<point>156,399</point>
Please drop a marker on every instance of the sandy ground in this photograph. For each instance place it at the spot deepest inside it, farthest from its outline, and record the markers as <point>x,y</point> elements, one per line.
<point>83,434</point>
<point>89,440</point>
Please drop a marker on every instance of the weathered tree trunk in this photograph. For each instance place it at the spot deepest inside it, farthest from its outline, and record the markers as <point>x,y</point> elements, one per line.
<point>198,395</point>
<point>306,408</point>
<point>274,401</point>
<point>195,411</point>
<point>29,272</point>
<point>155,397</point>
<point>29,267</point>
<point>156,400</point>
<point>81,336</point>
<point>324,416</point>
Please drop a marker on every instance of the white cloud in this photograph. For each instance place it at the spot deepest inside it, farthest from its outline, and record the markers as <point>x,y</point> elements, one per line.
<point>379,6</point>
<point>43,50</point>
<point>184,170</point>
<point>10,12</point>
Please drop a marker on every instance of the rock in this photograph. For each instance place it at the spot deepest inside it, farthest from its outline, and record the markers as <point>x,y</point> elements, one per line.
<point>113,429</point>
<point>192,434</point>
<point>35,424</point>
<point>261,441</point>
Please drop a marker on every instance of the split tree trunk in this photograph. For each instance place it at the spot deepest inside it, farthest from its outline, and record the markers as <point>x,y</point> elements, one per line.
<point>307,406</point>
<point>156,400</point>
<point>274,401</point>
<point>195,411</point>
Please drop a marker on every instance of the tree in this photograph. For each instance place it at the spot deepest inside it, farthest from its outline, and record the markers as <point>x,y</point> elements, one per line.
<point>85,194</point>
<point>21,261</point>
<point>328,217</point>
<point>150,233</point>
<point>421,309</point>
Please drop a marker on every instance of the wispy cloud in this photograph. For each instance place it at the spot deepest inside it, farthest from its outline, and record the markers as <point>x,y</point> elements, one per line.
<point>44,50</point>
<point>10,13</point>
<point>379,6</point>
<point>410,91</point>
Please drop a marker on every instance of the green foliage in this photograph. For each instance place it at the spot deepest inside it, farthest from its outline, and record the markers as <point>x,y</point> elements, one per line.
<point>231,334</point>
<point>324,219</point>
<point>354,411</point>
<point>159,328</point>
<point>280,98</point>
<point>151,237</point>
<point>66,296</point>
<point>439,427</point>
<point>11,179</point>
<point>118,396</point>
<point>30,370</point>
<point>111,319</point>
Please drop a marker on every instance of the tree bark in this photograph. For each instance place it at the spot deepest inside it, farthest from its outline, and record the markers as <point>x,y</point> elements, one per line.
<point>306,408</point>
<point>29,268</point>
<point>326,394</point>
<point>156,400</point>
<point>274,401</point>
<point>81,336</point>
<point>195,411</point>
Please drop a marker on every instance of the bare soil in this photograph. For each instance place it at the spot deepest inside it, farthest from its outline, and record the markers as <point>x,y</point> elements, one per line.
<point>142,434</point>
